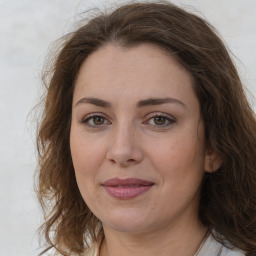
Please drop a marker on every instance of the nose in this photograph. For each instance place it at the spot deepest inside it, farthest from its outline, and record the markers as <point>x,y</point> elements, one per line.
<point>124,149</point>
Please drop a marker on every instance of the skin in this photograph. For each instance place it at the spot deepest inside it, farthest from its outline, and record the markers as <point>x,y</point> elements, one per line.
<point>128,141</point>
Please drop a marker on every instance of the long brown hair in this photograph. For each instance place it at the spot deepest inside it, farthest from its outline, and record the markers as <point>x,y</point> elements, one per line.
<point>228,198</point>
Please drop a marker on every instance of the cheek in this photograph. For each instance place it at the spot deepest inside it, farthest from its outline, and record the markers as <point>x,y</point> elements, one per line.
<point>180,157</point>
<point>87,151</point>
<point>87,156</point>
<point>181,169</point>
<point>85,162</point>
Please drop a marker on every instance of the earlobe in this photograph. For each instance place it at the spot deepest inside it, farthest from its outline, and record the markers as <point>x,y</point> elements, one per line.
<point>212,162</point>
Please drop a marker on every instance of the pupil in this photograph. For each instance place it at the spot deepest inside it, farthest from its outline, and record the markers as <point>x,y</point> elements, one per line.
<point>159,120</point>
<point>98,120</point>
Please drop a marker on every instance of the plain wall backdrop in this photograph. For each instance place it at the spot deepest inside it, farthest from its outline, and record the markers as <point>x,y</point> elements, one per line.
<point>27,27</point>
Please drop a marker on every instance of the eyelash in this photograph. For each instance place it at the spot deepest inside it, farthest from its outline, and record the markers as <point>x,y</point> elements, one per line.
<point>90,117</point>
<point>167,118</point>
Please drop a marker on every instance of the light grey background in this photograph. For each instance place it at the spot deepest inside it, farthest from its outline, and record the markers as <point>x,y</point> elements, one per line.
<point>27,27</point>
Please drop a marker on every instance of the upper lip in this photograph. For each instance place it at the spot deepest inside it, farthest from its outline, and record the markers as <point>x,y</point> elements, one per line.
<point>127,182</point>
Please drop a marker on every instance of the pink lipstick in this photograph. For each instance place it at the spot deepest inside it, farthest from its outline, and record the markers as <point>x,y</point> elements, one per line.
<point>126,188</point>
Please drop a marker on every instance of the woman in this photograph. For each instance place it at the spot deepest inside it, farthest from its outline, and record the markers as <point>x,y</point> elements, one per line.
<point>147,145</point>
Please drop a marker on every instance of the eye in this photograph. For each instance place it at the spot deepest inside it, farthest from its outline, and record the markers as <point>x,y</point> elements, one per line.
<point>160,120</point>
<point>95,120</point>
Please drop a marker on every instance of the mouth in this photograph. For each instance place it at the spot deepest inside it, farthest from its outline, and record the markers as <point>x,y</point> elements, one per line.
<point>127,188</point>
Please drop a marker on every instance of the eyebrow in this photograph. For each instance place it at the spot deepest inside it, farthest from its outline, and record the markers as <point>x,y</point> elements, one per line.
<point>94,101</point>
<point>159,101</point>
<point>141,103</point>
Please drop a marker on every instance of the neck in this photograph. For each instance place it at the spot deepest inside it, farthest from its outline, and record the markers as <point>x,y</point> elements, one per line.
<point>182,240</point>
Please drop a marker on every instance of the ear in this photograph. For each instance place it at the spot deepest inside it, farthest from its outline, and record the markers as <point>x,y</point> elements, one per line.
<point>212,161</point>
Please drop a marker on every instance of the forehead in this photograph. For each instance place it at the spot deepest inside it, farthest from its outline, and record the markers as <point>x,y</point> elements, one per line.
<point>142,70</point>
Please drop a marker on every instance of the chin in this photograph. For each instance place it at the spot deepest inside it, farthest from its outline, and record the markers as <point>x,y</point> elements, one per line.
<point>128,221</point>
<point>127,227</point>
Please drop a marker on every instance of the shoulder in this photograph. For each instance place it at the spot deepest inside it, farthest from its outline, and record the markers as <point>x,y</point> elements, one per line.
<point>234,252</point>
<point>212,247</point>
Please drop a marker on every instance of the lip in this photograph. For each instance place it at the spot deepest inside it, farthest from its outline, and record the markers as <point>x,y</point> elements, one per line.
<point>127,188</point>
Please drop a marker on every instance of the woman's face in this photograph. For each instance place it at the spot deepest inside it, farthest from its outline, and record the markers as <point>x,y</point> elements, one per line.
<point>137,139</point>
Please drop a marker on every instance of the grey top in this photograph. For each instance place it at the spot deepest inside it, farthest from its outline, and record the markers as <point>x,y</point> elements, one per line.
<point>211,247</point>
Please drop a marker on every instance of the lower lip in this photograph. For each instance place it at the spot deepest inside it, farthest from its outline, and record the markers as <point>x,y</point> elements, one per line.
<point>127,192</point>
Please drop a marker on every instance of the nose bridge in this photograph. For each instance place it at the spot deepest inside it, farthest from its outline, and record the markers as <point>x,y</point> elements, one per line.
<point>123,137</point>
<point>124,147</point>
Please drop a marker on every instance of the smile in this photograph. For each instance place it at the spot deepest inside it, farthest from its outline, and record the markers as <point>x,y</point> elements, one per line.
<point>126,188</point>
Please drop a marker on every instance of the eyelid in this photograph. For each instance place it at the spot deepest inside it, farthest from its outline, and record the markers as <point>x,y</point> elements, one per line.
<point>89,116</point>
<point>171,120</point>
<point>93,115</point>
<point>161,114</point>
<point>168,117</point>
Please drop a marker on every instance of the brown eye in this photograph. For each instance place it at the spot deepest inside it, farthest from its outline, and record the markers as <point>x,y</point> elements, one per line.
<point>98,120</point>
<point>95,121</point>
<point>159,120</point>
